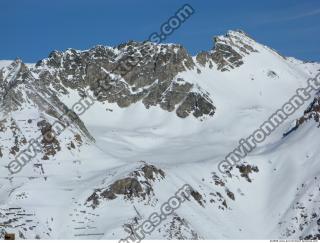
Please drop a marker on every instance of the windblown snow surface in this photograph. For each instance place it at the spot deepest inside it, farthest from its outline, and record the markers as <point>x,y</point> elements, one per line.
<point>281,200</point>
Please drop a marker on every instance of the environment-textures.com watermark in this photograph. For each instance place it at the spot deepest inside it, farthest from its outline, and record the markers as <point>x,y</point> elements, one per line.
<point>166,29</point>
<point>81,106</point>
<point>57,128</point>
<point>155,219</point>
<point>275,120</point>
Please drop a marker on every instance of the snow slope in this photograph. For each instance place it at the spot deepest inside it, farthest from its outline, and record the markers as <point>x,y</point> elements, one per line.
<point>277,200</point>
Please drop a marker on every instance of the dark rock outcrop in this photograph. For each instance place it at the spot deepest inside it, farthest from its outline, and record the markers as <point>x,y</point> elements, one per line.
<point>137,184</point>
<point>127,74</point>
<point>228,51</point>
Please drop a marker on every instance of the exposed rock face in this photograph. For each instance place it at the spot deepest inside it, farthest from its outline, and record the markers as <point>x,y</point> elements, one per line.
<point>137,184</point>
<point>104,194</point>
<point>311,113</point>
<point>13,76</point>
<point>20,90</point>
<point>151,172</point>
<point>10,127</point>
<point>246,169</point>
<point>303,217</point>
<point>197,104</point>
<point>228,51</point>
<point>178,228</point>
<point>49,142</point>
<point>272,74</point>
<point>198,197</point>
<point>129,73</point>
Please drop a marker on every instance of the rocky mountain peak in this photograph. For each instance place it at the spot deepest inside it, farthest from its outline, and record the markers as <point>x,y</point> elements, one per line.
<point>228,50</point>
<point>12,80</point>
<point>16,71</point>
<point>141,159</point>
<point>129,73</point>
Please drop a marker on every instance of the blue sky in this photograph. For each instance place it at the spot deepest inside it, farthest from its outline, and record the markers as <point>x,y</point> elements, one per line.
<point>31,29</point>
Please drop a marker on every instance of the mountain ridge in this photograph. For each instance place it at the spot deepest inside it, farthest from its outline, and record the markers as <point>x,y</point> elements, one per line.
<point>152,125</point>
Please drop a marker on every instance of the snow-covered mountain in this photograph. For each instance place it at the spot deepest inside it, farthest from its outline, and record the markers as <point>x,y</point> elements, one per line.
<point>106,136</point>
